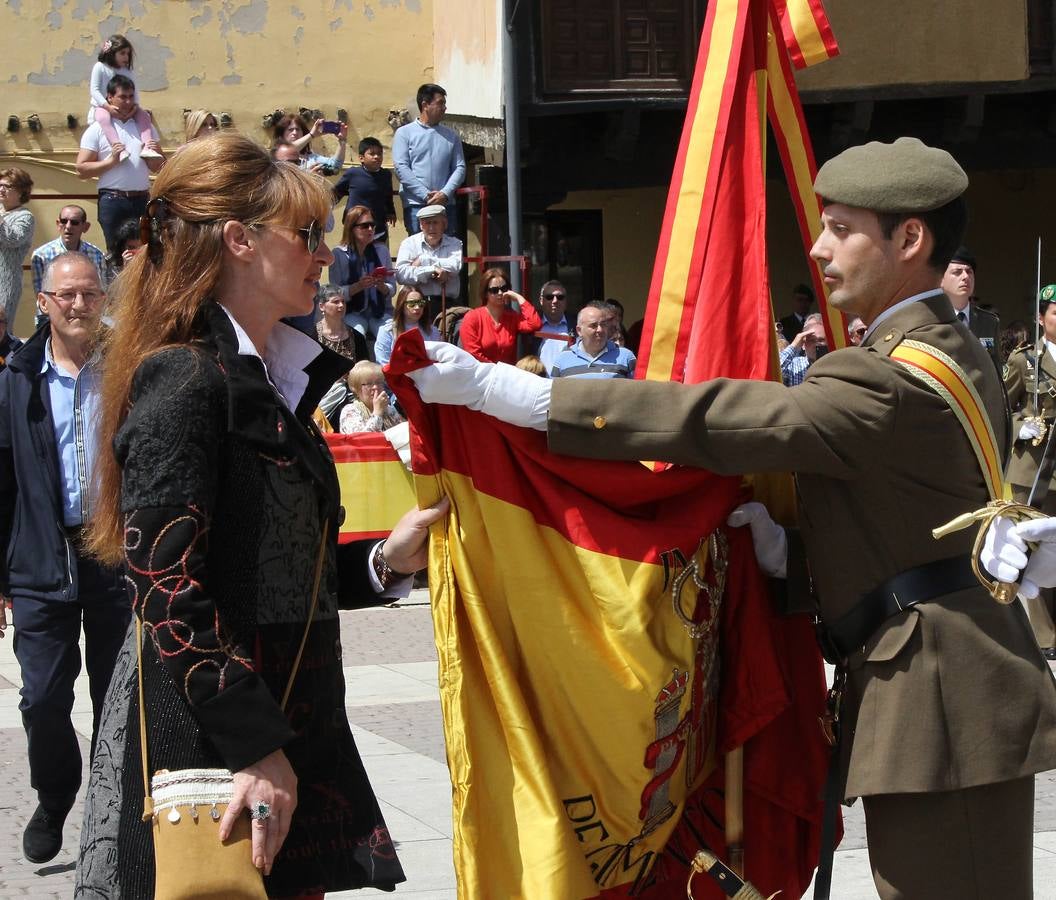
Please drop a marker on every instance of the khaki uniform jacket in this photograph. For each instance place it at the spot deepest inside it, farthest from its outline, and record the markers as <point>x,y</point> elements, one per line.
<point>1020,373</point>
<point>951,694</point>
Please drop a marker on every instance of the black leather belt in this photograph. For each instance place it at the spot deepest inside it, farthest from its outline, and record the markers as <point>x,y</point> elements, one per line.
<point>899,593</point>
<point>128,195</point>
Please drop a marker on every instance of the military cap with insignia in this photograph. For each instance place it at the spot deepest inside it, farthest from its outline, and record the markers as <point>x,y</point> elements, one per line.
<point>904,177</point>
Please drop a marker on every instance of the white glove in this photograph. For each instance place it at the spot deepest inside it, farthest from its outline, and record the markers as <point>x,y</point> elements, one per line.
<point>505,392</point>
<point>1029,430</point>
<point>1041,567</point>
<point>768,538</point>
<point>1004,553</point>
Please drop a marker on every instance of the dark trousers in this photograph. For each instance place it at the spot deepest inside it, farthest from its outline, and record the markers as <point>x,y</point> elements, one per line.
<point>975,842</point>
<point>115,210</point>
<point>46,636</point>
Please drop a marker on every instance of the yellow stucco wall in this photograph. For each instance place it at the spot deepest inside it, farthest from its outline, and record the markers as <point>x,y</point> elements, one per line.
<point>631,225</point>
<point>896,44</point>
<point>1008,211</point>
<point>245,57</point>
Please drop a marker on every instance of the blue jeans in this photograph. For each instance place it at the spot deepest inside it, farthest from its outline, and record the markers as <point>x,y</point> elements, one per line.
<point>45,645</point>
<point>115,210</point>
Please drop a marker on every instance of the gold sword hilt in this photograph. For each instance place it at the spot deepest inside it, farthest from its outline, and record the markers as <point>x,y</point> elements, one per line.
<point>1002,592</point>
<point>705,861</point>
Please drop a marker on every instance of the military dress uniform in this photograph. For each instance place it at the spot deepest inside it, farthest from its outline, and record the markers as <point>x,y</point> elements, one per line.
<point>986,326</point>
<point>949,709</point>
<point>1027,365</point>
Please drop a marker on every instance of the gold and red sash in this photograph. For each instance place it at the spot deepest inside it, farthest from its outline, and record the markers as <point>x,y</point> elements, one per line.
<point>939,371</point>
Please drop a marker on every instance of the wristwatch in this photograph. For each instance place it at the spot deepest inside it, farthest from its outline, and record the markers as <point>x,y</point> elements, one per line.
<point>387,576</point>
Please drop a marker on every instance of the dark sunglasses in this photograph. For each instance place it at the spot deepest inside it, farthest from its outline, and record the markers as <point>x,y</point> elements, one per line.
<point>502,289</point>
<point>554,295</point>
<point>414,304</point>
<point>63,221</point>
<point>363,225</point>
<point>313,235</point>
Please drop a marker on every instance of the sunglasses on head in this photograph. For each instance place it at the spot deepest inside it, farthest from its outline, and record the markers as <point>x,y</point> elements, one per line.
<point>498,289</point>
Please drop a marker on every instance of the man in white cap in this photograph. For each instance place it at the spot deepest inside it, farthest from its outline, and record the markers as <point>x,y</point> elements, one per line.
<point>431,260</point>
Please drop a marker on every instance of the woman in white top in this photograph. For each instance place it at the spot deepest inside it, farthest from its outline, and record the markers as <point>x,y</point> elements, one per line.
<point>116,57</point>
<point>16,236</point>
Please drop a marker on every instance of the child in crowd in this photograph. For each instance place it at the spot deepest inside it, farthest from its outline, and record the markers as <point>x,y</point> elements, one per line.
<point>369,185</point>
<point>116,58</point>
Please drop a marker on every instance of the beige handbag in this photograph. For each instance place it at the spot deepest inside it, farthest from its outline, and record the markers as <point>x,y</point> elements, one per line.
<point>185,808</point>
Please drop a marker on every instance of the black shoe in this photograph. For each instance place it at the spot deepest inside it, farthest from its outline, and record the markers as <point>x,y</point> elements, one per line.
<point>1048,652</point>
<point>42,839</point>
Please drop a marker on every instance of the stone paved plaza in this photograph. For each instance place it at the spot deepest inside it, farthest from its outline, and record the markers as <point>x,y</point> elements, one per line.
<point>395,713</point>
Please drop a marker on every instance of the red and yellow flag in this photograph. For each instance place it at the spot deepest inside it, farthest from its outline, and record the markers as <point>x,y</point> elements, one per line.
<point>376,488</point>
<point>708,312</point>
<point>579,659</point>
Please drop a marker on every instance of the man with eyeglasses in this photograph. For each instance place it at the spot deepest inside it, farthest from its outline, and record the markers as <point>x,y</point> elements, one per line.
<point>49,407</point>
<point>72,224</point>
<point>553,302</point>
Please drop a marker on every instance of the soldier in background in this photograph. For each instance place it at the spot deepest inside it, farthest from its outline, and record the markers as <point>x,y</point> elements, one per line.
<point>1030,381</point>
<point>958,283</point>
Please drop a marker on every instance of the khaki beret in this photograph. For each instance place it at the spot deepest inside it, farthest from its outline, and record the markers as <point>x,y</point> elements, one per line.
<point>434,209</point>
<point>904,177</point>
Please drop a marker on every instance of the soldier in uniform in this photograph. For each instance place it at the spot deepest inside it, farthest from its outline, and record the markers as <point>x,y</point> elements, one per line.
<point>1031,373</point>
<point>949,708</point>
<point>958,283</point>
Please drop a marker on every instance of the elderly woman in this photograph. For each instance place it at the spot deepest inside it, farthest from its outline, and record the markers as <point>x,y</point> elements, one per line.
<point>332,330</point>
<point>16,236</point>
<point>297,131</point>
<point>369,409</point>
<point>361,266</point>
<point>408,312</point>
<point>199,123</point>
<point>490,331</point>
<point>221,501</point>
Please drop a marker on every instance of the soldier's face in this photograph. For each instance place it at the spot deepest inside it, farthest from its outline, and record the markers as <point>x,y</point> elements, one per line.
<point>959,283</point>
<point>1048,322</point>
<point>856,259</point>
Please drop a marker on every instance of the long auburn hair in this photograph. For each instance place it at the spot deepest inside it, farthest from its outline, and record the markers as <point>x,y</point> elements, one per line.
<point>159,305</point>
<point>489,275</point>
<point>399,311</point>
<point>348,230</point>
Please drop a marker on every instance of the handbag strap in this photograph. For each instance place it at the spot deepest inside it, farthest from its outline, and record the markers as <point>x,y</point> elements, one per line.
<point>148,803</point>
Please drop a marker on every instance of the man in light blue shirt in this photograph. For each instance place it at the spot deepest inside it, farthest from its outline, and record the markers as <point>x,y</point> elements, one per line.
<point>428,160</point>
<point>553,303</point>
<point>594,355</point>
<point>49,412</point>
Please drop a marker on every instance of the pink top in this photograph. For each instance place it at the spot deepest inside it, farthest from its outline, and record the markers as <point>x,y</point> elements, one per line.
<point>489,341</point>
